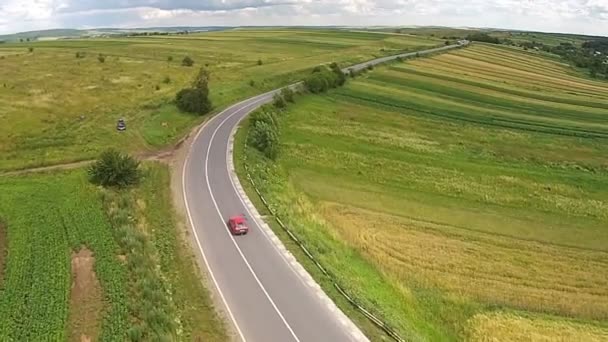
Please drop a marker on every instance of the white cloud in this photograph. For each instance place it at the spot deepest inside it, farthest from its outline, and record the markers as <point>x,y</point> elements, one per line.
<point>580,16</point>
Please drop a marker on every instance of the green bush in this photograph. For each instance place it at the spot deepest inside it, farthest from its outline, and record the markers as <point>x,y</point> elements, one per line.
<point>288,94</point>
<point>264,138</point>
<point>114,169</point>
<point>193,100</point>
<point>278,101</point>
<point>101,58</point>
<point>340,77</point>
<point>267,116</point>
<point>322,78</point>
<point>264,132</point>
<point>260,62</point>
<point>316,83</point>
<point>187,61</point>
<point>196,99</point>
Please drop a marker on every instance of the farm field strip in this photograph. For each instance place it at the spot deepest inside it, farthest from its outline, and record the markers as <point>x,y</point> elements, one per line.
<point>476,230</point>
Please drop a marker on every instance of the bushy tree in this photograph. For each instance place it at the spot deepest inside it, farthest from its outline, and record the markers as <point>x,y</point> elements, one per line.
<point>264,133</point>
<point>101,58</point>
<point>278,101</point>
<point>288,94</point>
<point>321,79</point>
<point>340,77</point>
<point>115,169</point>
<point>265,139</point>
<point>187,61</point>
<point>201,81</point>
<point>193,100</point>
<point>196,99</point>
<point>316,83</point>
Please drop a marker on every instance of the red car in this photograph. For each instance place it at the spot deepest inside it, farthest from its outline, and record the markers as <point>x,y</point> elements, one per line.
<point>238,225</point>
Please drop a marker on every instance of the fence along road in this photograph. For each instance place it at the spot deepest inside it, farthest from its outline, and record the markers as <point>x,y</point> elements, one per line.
<point>266,299</point>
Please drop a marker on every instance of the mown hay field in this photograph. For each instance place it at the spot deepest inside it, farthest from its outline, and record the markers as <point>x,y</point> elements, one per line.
<point>59,103</point>
<point>71,275</point>
<point>464,196</point>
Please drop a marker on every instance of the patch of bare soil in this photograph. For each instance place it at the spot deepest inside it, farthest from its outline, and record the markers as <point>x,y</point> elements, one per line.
<point>86,299</point>
<point>3,249</point>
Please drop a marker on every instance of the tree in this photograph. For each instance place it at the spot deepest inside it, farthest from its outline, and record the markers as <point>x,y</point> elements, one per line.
<point>483,37</point>
<point>278,101</point>
<point>201,81</point>
<point>260,62</point>
<point>114,169</point>
<point>287,94</point>
<point>265,139</point>
<point>316,83</point>
<point>340,77</point>
<point>170,59</point>
<point>187,61</point>
<point>196,99</point>
<point>30,49</point>
<point>264,134</point>
<point>101,58</point>
<point>193,100</point>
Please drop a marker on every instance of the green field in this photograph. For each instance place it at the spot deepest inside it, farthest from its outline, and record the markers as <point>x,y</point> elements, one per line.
<point>462,196</point>
<point>55,107</point>
<point>71,271</point>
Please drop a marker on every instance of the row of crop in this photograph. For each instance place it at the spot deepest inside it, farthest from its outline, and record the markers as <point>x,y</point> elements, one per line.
<point>149,304</point>
<point>486,85</point>
<point>48,218</point>
<point>488,120</point>
<point>487,100</point>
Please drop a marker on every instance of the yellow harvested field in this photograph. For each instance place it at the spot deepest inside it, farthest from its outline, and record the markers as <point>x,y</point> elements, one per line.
<point>506,327</point>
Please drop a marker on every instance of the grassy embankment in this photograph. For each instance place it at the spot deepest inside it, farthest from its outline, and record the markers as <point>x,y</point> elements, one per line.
<point>131,268</point>
<point>55,107</point>
<point>463,195</point>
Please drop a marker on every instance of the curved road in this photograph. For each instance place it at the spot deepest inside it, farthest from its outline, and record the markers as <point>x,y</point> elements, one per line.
<point>266,299</point>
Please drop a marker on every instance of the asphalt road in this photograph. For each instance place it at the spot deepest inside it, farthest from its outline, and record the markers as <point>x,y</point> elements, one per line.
<point>267,300</point>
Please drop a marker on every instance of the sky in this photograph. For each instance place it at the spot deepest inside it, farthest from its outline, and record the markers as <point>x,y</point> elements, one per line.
<point>571,16</point>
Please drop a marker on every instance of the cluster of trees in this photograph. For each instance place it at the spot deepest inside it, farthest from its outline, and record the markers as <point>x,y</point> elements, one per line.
<point>482,37</point>
<point>196,98</point>
<point>264,132</point>
<point>591,55</point>
<point>322,78</point>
